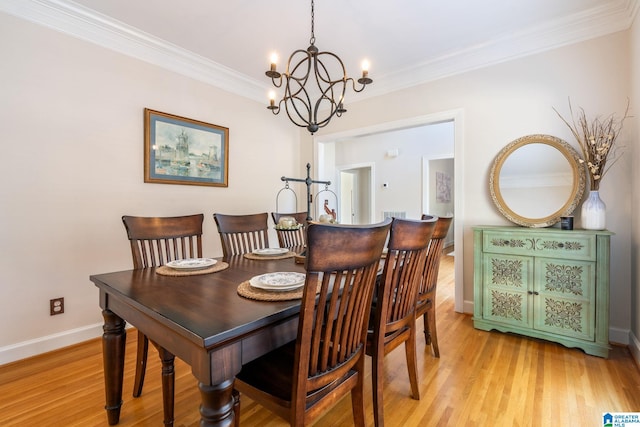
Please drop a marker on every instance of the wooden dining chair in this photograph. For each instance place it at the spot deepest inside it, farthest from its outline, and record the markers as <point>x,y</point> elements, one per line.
<point>291,238</point>
<point>426,301</point>
<point>393,320</point>
<point>154,242</point>
<point>302,379</point>
<point>240,234</point>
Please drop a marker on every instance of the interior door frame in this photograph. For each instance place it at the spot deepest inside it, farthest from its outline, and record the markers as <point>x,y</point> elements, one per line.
<point>457,116</point>
<point>372,190</point>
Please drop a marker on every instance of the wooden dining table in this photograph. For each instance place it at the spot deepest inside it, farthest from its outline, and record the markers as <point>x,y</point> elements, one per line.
<point>199,318</point>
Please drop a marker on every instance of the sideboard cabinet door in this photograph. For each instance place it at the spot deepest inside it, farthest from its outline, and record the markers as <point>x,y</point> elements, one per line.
<point>507,279</point>
<point>545,283</point>
<point>564,297</point>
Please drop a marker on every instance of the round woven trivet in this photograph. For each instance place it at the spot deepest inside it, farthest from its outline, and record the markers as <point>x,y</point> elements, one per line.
<point>246,290</point>
<point>168,271</point>
<point>267,258</point>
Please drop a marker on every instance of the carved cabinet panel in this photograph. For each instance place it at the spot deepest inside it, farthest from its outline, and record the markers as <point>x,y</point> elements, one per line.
<point>547,283</point>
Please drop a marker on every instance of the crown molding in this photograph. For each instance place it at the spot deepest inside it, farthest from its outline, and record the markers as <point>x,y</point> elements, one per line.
<point>78,21</point>
<point>83,23</point>
<point>597,22</point>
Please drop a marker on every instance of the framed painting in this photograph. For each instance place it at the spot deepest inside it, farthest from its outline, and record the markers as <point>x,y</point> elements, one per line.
<point>178,150</point>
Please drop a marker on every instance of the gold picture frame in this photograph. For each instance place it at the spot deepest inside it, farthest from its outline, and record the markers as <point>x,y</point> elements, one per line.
<point>178,150</point>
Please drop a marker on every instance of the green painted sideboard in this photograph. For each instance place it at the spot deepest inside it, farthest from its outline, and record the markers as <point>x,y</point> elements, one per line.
<point>545,283</point>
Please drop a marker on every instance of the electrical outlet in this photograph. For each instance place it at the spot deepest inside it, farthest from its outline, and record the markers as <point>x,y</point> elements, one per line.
<point>56,306</point>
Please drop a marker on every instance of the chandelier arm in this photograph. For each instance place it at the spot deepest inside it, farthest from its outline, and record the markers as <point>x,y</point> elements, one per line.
<point>277,81</point>
<point>353,84</point>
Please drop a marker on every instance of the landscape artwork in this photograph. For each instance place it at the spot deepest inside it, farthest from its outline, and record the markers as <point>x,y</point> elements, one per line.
<point>185,151</point>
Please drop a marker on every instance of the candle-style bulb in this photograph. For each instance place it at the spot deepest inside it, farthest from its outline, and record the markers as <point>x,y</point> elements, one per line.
<point>272,69</point>
<point>365,80</point>
<point>272,100</point>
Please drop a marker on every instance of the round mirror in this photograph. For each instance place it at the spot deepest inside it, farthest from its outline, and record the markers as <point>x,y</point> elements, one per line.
<point>537,179</point>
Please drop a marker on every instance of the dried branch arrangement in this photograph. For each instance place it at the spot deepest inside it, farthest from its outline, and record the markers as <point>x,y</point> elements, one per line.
<point>597,140</point>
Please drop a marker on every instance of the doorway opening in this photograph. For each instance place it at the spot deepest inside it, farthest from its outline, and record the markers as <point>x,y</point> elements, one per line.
<point>328,155</point>
<point>355,194</point>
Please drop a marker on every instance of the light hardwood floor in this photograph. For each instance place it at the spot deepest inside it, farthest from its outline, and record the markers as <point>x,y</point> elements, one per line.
<point>481,379</point>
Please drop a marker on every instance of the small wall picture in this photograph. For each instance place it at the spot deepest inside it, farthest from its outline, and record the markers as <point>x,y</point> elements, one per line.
<point>443,187</point>
<point>178,150</point>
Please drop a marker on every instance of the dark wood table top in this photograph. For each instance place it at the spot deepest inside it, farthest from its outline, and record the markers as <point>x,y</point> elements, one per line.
<point>205,309</point>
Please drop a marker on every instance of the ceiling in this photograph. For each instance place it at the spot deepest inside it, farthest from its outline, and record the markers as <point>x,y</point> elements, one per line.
<point>229,43</point>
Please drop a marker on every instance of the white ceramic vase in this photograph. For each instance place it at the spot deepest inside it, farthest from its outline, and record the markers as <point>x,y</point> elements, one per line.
<point>594,212</point>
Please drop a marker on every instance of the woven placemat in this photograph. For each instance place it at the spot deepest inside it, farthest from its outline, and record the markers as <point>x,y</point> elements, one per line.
<point>168,271</point>
<point>246,290</point>
<point>267,258</point>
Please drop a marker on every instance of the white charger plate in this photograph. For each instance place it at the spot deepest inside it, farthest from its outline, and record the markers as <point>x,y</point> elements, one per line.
<point>280,281</point>
<point>191,263</point>
<point>270,251</point>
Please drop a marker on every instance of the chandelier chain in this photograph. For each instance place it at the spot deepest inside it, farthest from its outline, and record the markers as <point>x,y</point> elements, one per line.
<point>313,35</point>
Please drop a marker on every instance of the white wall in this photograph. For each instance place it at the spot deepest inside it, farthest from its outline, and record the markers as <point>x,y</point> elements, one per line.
<point>401,173</point>
<point>71,121</point>
<point>71,126</point>
<point>513,99</point>
<point>634,129</point>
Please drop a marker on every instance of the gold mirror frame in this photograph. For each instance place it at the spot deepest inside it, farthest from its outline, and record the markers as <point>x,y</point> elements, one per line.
<point>577,191</point>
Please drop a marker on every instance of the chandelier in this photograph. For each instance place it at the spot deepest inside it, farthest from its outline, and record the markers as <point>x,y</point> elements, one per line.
<point>311,96</point>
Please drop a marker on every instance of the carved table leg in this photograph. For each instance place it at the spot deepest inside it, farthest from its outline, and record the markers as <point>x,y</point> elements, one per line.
<point>113,347</point>
<point>217,404</point>
<point>168,382</point>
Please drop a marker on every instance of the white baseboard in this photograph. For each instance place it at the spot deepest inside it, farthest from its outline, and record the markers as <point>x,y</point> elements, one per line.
<point>467,307</point>
<point>619,336</point>
<point>29,348</point>
<point>634,348</point>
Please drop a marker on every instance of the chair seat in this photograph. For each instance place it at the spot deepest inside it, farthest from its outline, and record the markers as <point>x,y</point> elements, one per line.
<point>272,374</point>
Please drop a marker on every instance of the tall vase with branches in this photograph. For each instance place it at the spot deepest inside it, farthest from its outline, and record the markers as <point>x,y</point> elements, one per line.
<point>597,139</point>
